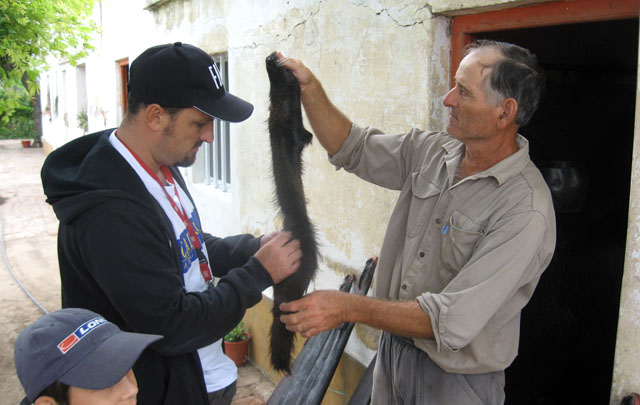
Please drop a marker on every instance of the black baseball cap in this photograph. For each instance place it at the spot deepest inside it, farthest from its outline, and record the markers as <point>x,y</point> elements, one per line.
<point>182,76</point>
<point>76,347</point>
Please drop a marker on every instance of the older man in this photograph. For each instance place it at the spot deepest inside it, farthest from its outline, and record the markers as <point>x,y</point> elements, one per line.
<point>470,236</point>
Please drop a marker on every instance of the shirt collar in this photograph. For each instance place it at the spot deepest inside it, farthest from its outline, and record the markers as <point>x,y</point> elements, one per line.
<point>501,171</point>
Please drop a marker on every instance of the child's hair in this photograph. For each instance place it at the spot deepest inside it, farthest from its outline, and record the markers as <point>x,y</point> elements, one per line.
<point>58,391</point>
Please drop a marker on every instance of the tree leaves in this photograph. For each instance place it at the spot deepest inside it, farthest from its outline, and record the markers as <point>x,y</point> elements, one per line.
<point>33,30</point>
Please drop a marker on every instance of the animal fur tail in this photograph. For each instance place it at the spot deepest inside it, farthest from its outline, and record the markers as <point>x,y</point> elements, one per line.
<point>288,138</point>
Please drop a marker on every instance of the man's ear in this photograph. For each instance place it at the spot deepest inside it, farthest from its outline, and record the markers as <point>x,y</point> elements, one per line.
<point>155,117</point>
<point>508,114</point>
<point>44,400</point>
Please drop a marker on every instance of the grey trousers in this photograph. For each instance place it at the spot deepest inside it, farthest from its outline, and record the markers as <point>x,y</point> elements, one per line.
<point>404,374</point>
<point>223,396</point>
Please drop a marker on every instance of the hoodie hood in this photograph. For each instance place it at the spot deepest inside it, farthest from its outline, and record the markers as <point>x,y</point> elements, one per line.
<point>81,175</point>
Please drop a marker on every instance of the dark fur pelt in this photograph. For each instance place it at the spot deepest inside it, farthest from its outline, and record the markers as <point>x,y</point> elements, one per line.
<point>288,138</point>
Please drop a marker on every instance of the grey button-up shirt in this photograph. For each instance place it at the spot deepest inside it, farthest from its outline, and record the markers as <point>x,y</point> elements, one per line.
<point>470,253</point>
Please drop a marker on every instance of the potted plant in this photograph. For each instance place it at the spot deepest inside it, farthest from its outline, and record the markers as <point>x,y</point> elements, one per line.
<point>83,121</point>
<point>236,344</point>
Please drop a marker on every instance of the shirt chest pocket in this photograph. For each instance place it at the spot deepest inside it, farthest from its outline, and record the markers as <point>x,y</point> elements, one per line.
<point>459,239</point>
<point>424,195</point>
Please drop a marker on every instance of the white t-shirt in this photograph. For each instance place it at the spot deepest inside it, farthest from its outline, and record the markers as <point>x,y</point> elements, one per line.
<point>218,369</point>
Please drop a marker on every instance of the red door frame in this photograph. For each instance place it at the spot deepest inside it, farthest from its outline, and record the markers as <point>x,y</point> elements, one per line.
<point>464,28</point>
<point>123,66</point>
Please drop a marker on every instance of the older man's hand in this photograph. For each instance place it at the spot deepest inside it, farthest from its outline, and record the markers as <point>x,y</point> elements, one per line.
<point>315,313</point>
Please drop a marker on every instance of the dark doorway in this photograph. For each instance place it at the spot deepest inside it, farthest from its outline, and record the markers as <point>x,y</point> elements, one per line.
<point>585,127</point>
<point>123,66</point>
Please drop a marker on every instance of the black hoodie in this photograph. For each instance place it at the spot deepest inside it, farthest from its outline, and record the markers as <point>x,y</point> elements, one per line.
<point>118,257</point>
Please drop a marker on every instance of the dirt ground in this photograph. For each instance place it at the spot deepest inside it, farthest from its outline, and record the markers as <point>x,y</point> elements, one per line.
<point>28,236</point>
<point>28,231</point>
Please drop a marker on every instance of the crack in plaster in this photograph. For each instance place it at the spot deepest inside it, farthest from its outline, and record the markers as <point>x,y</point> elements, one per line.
<point>281,38</point>
<point>252,46</point>
<point>303,22</point>
<point>386,12</point>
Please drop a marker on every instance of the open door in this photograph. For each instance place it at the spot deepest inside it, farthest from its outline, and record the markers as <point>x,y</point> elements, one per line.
<point>123,73</point>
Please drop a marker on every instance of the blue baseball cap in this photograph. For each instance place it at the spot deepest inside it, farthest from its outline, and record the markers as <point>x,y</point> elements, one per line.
<point>76,347</point>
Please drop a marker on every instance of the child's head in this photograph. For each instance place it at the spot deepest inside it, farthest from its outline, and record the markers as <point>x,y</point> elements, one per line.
<point>76,354</point>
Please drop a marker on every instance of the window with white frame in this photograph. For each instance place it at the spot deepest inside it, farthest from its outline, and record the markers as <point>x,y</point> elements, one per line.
<point>217,155</point>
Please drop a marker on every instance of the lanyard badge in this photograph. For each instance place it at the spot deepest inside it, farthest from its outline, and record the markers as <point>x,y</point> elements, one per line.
<point>205,270</point>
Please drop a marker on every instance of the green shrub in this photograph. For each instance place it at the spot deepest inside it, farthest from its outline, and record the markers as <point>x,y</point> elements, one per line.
<point>236,334</point>
<point>18,124</point>
<point>83,121</point>
<point>18,128</point>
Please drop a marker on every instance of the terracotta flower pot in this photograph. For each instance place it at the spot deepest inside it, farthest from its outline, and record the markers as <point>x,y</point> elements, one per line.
<point>238,351</point>
<point>26,143</point>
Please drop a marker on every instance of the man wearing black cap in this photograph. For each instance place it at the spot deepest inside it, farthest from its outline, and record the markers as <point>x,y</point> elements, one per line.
<point>130,244</point>
<point>75,356</point>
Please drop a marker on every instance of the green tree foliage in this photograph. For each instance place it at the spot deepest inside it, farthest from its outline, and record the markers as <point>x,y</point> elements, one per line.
<point>32,30</point>
<point>21,125</point>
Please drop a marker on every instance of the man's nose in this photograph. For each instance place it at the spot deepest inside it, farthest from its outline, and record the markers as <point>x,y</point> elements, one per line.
<point>449,98</point>
<point>207,133</point>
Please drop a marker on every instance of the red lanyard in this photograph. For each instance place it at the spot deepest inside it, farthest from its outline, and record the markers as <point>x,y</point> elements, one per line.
<point>204,265</point>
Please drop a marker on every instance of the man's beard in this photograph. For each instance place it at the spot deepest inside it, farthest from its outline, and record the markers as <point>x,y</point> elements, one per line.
<point>187,160</point>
